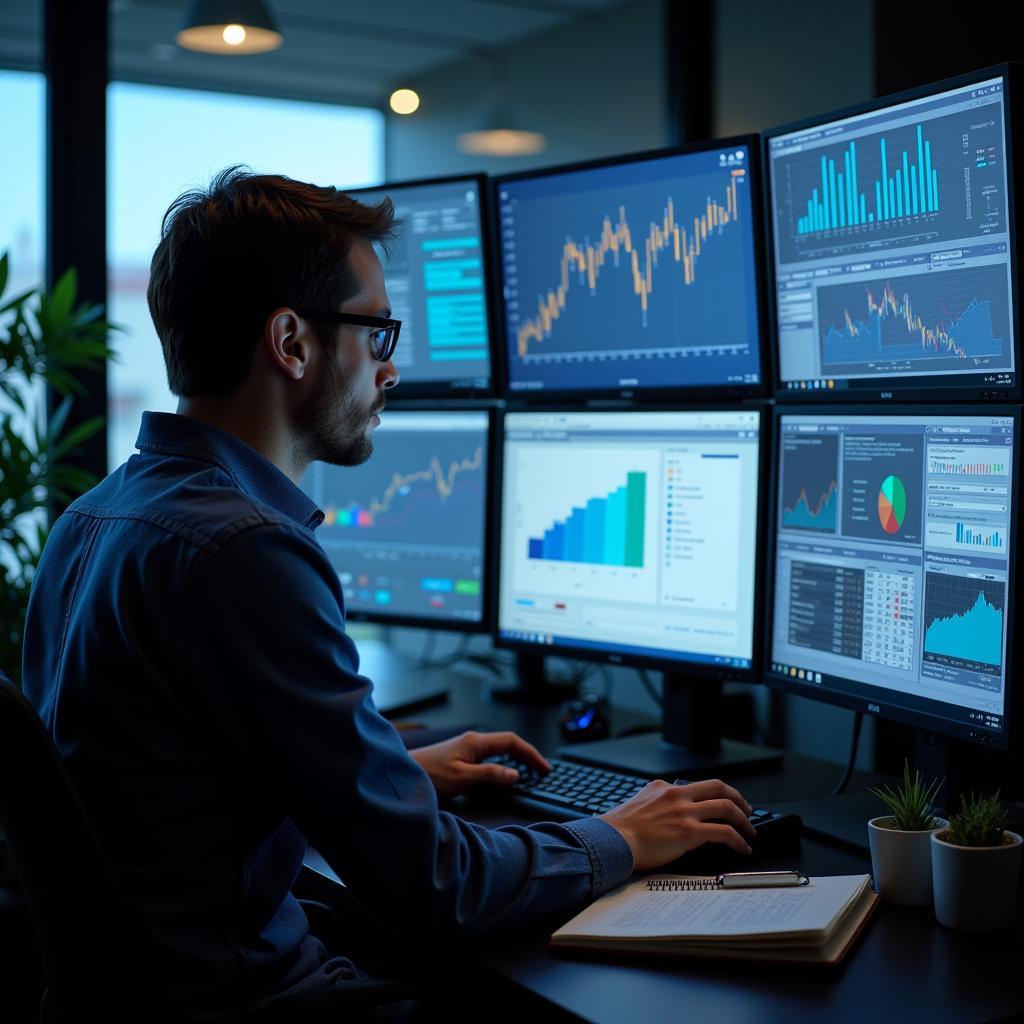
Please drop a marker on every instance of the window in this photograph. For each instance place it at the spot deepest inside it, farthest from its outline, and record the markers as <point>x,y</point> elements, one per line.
<point>22,177</point>
<point>164,141</point>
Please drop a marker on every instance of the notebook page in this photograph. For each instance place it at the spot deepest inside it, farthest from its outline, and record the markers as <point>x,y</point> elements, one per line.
<point>634,912</point>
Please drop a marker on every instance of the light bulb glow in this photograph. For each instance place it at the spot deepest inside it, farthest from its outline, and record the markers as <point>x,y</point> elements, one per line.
<point>233,35</point>
<point>404,101</point>
<point>502,142</point>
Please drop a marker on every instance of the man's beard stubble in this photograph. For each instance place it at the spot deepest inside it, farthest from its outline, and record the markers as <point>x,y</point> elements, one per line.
<point>333,424</point>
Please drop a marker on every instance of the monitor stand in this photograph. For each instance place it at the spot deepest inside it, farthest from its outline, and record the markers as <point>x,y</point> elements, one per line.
<point>400,685</point>
<point>690,746</point>
<point>532,685</point>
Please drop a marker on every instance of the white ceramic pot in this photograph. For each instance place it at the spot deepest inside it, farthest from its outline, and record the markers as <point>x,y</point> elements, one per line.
<point>975,886</point>
<point>901,862</point>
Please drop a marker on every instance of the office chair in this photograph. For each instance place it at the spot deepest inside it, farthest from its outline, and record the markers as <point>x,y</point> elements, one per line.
<point>93,947</point>
<point>90,945</point>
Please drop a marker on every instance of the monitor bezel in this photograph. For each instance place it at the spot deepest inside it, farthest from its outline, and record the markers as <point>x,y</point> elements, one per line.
<point>484,623</point>
<point>692,669</point>
<point>438,389</point>
<point>644,395</point>
<point>917,388</point>
<point>871,705</point>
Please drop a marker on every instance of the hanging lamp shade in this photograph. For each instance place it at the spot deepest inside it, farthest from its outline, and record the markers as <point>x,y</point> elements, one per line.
<point>501,136</point>
<point>229,27</point>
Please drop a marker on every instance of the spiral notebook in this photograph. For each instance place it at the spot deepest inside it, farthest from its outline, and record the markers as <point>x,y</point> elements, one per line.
<point>674,915</point>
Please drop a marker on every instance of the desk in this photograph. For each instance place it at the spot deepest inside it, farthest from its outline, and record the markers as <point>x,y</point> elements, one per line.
<point>906,967</point>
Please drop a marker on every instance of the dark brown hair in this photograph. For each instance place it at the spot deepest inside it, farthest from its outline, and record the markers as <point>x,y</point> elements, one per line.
<point>231,254</point>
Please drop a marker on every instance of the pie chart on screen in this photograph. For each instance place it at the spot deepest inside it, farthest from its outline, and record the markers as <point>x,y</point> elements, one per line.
<point>892,504</point>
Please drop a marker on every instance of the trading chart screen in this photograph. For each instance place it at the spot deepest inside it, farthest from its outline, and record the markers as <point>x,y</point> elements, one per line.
<point>405,530</point>
<point>435,275</point>
<point>632,276</point>
<point>631,533</point>
<point>893,563</point>
<point>892,248</point>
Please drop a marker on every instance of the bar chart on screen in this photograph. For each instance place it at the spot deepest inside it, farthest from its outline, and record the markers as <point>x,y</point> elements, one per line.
<point>588,514</point>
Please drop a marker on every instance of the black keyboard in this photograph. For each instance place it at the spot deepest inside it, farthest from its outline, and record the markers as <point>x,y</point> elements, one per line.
<point>581,789</point>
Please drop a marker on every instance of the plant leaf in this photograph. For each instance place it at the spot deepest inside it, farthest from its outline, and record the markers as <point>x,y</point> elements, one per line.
<point>62,298</point>
<point>58,417</point>
<point>76,436</point>
<point>18,300</point>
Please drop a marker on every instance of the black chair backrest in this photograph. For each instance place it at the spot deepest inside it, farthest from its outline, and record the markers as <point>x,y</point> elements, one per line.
<point>93,959</point>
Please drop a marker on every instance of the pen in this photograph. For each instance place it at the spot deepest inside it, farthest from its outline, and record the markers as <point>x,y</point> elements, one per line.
<point>761,879</point>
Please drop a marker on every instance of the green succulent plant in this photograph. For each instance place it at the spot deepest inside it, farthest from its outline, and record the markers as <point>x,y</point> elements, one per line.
<point>980,821</point>
<point>911,804</point>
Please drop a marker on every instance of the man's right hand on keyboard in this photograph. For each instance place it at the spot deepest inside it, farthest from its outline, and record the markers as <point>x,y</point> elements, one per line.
<point>662,822</point>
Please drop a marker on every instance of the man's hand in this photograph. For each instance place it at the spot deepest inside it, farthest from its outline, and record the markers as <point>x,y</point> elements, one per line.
<point>663,822</point>
<point>454,765</point>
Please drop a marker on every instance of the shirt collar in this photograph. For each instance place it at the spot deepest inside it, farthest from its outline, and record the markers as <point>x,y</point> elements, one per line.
<point>167,433</point>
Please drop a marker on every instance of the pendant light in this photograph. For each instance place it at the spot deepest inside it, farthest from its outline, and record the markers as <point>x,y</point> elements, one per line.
<point>229,27</point>
<point>500,134</point>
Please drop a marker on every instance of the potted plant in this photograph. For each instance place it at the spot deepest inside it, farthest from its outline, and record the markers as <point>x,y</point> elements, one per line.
<point>45,337</point>
<point>975,866</point>
<point>901,857</point>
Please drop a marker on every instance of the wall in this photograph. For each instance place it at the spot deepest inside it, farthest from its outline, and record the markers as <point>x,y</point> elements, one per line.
<point>593,88</point>
<point>780,62</point>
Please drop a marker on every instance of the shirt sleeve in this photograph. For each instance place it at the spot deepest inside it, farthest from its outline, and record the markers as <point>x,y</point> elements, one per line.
<point>268,660</point>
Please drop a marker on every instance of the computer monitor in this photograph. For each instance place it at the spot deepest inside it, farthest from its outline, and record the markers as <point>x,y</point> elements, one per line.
<point>407,530</point>
<point>892,244</point>
<point>892,582</point>
<point>634,277</point>
<point>438,276</point>
<point>632,538</point>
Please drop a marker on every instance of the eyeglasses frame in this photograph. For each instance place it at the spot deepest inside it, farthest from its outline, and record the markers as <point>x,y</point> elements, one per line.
<point>361,320</point>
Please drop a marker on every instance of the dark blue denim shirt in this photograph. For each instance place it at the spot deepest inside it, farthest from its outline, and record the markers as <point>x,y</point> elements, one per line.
<point>186,648</point>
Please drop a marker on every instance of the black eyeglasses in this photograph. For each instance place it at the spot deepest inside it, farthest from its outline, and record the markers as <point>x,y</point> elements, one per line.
<point>383,339</point>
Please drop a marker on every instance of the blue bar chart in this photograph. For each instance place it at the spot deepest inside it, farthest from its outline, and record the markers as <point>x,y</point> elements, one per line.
<point>606,530</point>
<point>979,538</point>
<point>907,187</point>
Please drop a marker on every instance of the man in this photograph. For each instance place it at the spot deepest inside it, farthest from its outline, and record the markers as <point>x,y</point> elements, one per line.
<point>186,641</point>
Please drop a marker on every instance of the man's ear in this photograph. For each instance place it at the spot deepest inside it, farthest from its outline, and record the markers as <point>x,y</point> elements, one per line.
<point>286,337</point>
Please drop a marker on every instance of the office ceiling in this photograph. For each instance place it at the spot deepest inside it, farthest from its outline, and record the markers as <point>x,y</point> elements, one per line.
<point>353,51</point>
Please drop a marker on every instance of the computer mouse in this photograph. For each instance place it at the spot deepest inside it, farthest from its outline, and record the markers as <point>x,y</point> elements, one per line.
<point>585,717</point>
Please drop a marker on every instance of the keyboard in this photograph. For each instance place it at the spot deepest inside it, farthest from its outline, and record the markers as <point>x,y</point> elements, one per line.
<point>580,789</point>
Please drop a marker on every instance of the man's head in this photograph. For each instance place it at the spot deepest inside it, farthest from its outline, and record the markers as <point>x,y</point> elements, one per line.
<point>240,274</point>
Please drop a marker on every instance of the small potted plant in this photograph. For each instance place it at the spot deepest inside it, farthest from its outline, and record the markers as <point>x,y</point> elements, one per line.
<point>975,866</point>
<point>901,857</point>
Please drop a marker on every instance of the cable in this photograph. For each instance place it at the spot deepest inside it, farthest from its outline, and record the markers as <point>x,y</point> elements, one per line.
<point>458,654</point>
<point>429,643</point>
<point>652,690</point>
<point>858,720</point>
<point>496,666</point>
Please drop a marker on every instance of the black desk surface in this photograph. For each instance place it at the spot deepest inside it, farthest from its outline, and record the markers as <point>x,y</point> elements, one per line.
<point>906,966</point>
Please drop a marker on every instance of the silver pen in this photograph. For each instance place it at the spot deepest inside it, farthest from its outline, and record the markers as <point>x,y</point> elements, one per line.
<point>761,879</point>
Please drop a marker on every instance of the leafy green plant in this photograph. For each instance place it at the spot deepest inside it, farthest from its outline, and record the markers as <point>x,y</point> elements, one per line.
<point>912,804</point>
<point>44,337</point>
<point>979,822</point>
